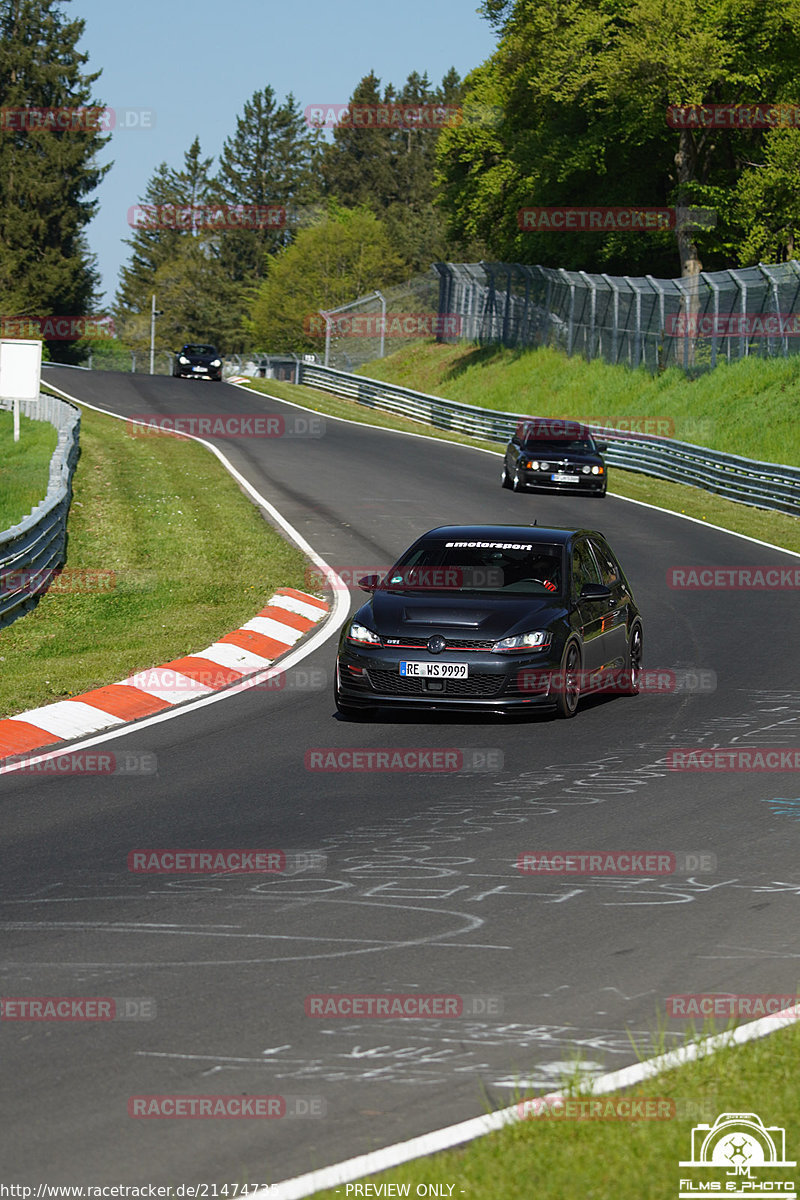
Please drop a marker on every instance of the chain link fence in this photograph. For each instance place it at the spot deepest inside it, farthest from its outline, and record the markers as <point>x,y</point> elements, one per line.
<point>692,323</point>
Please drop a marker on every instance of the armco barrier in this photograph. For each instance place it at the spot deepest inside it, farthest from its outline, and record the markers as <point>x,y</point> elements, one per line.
<point>36,546</point>
<point>762,485</point>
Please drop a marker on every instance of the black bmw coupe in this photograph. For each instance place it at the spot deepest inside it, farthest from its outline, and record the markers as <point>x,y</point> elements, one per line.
<point>555,456</point>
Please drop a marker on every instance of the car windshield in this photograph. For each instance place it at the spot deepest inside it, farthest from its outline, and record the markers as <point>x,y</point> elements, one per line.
<point>197,348</point>
<point>468,566</point>
<point>560,445</point>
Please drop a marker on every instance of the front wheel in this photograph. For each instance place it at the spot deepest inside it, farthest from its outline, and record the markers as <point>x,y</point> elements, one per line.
<point>569,691</point>
<point>505,478</point>
<point>633,666</point>
<point>516,483</point>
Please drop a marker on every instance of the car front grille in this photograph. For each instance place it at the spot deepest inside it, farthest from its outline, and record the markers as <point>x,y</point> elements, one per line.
<point>392,683</point>
<point>410,643</point>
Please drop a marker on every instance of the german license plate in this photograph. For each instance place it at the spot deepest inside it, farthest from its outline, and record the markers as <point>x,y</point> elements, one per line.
<point>203,369</point>
<point>560,477</point>
<point>435,670</point>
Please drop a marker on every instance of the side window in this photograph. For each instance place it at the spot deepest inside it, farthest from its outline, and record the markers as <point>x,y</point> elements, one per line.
<point>609,572</point>
<point>584,568</point>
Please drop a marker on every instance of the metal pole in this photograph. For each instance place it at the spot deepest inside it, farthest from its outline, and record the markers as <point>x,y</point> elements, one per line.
<point>152,333</point>
<point>382,299</point>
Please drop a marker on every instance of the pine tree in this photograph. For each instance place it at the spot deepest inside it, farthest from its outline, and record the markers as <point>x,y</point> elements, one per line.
<point>48,176</point>
<point>171,229</point>
<point>270,162</point>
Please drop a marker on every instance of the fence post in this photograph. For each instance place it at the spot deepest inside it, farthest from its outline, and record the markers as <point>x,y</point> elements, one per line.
<point>615,326</point>
<point>716,290</point>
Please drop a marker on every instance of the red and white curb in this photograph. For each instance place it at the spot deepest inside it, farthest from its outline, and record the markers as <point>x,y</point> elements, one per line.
<point>287,617</point>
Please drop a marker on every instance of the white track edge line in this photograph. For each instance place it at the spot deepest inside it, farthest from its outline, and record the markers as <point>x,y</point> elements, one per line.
<point>332,621</point>
<point>482,450</point>
<point>466,1131</point>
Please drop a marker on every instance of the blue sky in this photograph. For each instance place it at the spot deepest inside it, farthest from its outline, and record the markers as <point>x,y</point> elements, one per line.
<point>193,65</point>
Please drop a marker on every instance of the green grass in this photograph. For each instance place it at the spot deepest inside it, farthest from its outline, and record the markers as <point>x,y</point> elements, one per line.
<point>618,1159</point>
<point>748,408</point>
<point>191,556</point>
<point>777,528</point>
<point>24,466</point>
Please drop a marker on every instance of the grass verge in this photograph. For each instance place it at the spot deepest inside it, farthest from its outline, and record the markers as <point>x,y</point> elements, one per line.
<point>26,466</point>
<point>747,408</point>
<point>777,528</point>
<point>191,557</point>
<point>600,1159</point>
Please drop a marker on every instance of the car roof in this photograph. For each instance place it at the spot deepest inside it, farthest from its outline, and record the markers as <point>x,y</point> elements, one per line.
<point>504,533</point>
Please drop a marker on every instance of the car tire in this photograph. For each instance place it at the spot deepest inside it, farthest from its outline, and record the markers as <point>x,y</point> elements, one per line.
<point>505,478</point>
<point>568,697</point>
<point>633,662</point>
<point>516,483</point>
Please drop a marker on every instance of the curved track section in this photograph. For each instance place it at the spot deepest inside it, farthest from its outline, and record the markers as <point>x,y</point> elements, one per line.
<point>419,892</point>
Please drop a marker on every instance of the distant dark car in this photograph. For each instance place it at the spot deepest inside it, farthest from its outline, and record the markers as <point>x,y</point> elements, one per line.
<point>560,456</point>
<point>198,361</point>
<point>500,617</point>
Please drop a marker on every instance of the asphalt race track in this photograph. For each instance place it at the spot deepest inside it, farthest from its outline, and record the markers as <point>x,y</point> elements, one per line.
<point>420,892</point>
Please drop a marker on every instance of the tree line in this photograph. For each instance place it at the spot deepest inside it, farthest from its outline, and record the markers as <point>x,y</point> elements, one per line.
<point>602,103</point>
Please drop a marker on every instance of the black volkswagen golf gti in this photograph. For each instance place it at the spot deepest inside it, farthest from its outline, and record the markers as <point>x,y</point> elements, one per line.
<point>498,617</point>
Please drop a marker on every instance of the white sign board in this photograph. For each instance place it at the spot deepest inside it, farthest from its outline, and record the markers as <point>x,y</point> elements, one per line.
<point>20,372</point>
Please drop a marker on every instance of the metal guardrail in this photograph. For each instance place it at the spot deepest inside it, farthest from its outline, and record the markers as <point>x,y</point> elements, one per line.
<point>32,550</point>
<point>759,484</point>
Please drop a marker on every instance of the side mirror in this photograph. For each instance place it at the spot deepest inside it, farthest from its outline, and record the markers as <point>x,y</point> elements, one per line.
<point>369,583</point>
<point>602,446</point>
<point>595,591</point>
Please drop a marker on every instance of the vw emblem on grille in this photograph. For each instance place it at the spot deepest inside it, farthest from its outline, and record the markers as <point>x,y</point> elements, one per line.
<point>436,644</point>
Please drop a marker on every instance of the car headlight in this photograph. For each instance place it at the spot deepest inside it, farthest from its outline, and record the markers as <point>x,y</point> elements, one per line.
<point>586,470</point>
<point>538,640</point>
<point>360,633</point>
<point>597,470</point>
<point>183,360</point>
<point>217,362</point>
<point>533,466</point>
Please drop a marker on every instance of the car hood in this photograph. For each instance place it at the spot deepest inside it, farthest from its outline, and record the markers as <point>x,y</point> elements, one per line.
<point>460,616</point>
<point>569,456</point>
